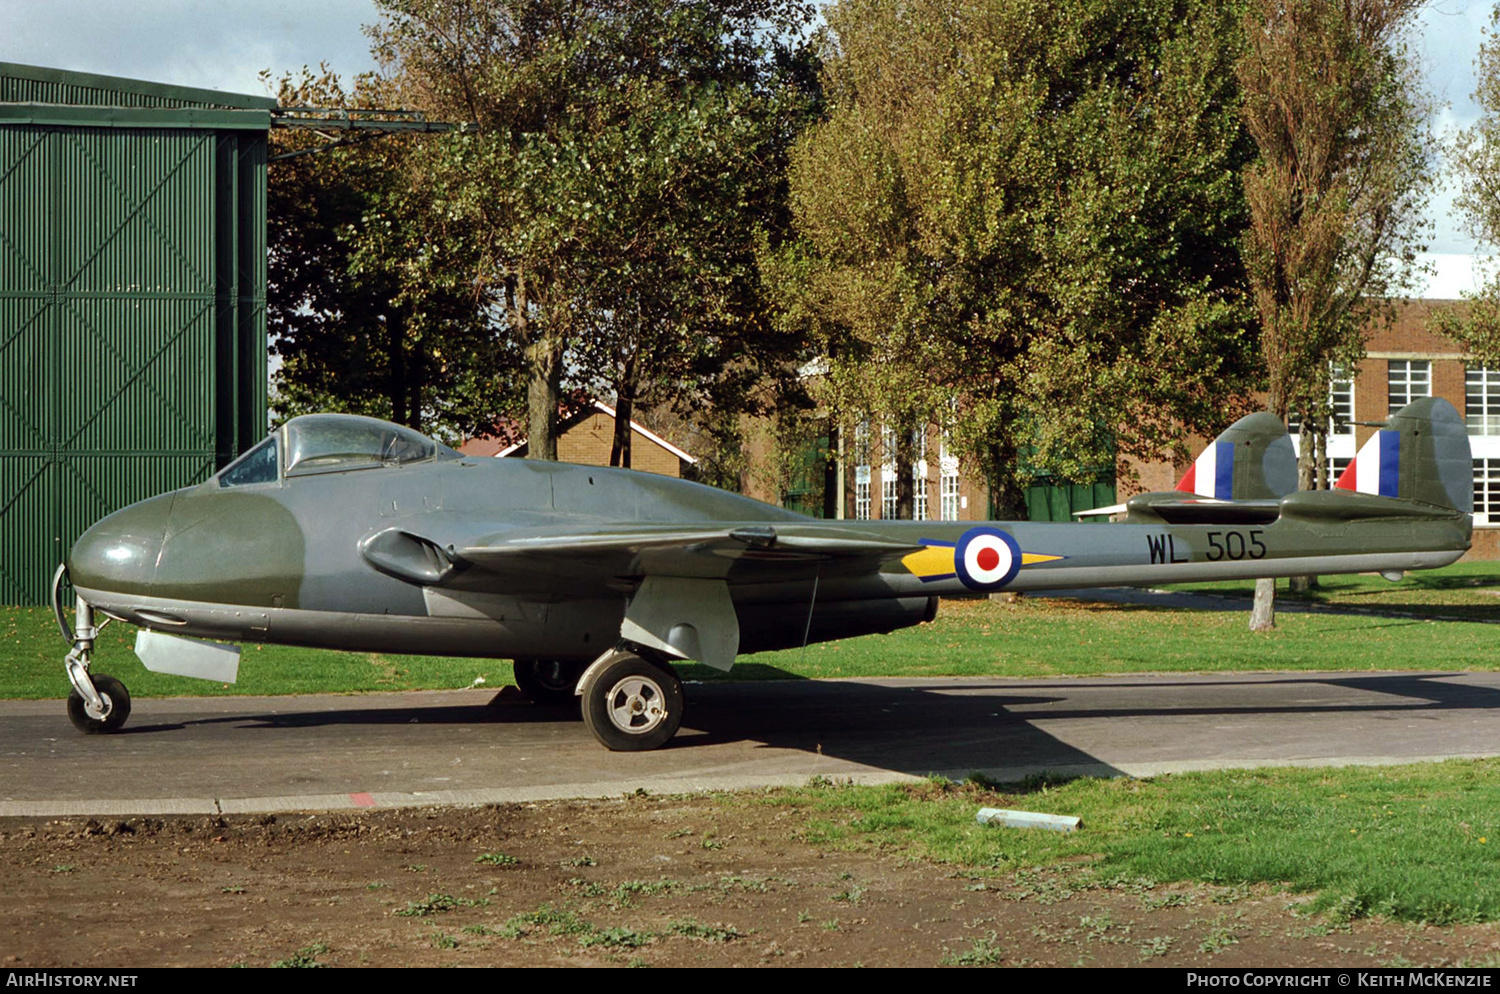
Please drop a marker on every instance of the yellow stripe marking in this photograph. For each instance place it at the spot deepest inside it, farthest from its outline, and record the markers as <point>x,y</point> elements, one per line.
<point>933,560</point>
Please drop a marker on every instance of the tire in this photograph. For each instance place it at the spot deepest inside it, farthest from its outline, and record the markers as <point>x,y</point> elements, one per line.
<point>117,700</point>
<point>631,704</point>
<point>548,682</point>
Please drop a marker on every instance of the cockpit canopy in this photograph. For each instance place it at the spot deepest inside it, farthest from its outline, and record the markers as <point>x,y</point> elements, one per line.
<point>331,443</point>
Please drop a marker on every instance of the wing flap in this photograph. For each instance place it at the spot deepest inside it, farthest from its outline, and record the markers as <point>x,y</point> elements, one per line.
<point>750,541</point>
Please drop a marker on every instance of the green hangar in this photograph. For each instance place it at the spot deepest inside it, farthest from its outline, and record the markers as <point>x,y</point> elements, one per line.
<point>132,300</point>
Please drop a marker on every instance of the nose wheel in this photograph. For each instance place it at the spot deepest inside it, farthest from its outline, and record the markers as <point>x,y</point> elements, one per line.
<point>99,704</point>
<point>631,704</point>
<point>110,713</point>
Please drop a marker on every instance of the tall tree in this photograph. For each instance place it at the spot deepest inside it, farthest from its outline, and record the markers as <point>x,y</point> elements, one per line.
<point>1335,195</point>
<point>588,116</point>
<point>1030,208</point>
<point>1476,158</point>
<point>363,318</point>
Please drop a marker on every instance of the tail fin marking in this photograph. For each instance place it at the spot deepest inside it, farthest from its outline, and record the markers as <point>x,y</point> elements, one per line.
<point>1422,455</point>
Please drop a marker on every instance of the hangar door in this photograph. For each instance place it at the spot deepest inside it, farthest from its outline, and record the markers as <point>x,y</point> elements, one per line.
<point>132,328</point>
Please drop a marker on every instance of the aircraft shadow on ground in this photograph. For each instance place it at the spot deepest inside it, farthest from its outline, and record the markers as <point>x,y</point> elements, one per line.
<point>949,726</point>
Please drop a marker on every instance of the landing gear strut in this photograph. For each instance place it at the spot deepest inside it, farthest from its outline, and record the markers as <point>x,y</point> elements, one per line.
<point>98,703</point>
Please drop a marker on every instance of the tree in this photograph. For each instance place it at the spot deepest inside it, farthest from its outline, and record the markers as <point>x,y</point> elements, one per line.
<point>607,165</point>
<point>365,320</point>
<point>1026,213</point>
<point>1476,159</point>
<point>1335,196</point>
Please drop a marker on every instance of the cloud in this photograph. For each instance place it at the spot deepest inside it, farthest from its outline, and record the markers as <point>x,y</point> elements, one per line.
<point>217,44</point>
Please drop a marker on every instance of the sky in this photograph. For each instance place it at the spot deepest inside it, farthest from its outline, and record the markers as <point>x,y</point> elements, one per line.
<point>224,45</point>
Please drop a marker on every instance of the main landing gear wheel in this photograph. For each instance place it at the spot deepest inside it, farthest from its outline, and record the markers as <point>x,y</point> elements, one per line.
<point>116,707</point>
<point>548,682</point>
<point>630,703</point>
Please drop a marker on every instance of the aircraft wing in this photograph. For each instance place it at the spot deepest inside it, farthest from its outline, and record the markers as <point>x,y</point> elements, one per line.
<point>431,550</point>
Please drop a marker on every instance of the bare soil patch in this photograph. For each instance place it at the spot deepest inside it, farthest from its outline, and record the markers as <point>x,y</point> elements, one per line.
<point>639,881</point>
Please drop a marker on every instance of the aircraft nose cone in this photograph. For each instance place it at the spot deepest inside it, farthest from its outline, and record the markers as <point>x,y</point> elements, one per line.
<point>119,553</point>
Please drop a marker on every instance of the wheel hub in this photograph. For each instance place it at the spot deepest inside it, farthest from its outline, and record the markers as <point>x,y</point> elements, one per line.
<point>98,713</point>
<point>636,705</point>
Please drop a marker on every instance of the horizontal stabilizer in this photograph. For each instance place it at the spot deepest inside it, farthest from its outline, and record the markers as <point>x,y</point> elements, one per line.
<point>1344,505</point>
<point>1178,508</point>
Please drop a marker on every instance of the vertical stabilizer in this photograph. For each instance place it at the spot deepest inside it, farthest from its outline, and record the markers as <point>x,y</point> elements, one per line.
<point>1421,454</point>
<point>1252,460</point>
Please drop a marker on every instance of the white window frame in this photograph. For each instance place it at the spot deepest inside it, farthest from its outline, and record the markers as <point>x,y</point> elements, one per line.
<point>862,471</point>
<point>1487,489</point>
<point>919,501</point>
<point>1482,400</point>
<point>1406,380</point>
<point>948,485</point>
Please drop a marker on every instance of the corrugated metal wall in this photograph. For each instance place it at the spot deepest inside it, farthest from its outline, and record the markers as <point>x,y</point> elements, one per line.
<point>132,322</point>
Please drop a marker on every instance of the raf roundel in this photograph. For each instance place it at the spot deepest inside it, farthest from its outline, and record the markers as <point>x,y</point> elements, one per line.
<point>987,558</point>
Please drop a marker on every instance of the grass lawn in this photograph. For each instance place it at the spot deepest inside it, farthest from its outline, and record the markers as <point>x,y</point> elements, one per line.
<point>1033,636</point>
<point>1463,590</point>
<point>1415,843</point>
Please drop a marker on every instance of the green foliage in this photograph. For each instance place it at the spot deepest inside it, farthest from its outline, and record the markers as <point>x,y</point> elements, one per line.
<point>1476,160</point>
<point>497,859</point>
<point>623,154</point>
<point>368,315</point>
<point>304,958</point>
<point>1030,210</point>
<point>1336,192</point>
<point>435,904</point>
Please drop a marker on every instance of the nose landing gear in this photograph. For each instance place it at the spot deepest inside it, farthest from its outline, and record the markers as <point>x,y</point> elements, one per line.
<point>98,703</point>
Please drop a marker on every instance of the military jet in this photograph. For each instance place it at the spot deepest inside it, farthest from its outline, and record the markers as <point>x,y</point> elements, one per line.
<point>345,532</point>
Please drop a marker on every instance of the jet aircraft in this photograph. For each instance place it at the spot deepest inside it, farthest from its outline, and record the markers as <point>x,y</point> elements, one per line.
<point>345,532</point>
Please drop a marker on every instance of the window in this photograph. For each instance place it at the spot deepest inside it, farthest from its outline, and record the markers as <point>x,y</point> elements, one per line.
<point>1407,380</point>
<point>256,466</point>
<point>888,492</point>
<point>1341,397</point>
<point>1482,400</point>
<point>1487,491</point>
<point>862,471</point>
<point>1340,404</point>
<point>948,502</point>
<point>919,475</point>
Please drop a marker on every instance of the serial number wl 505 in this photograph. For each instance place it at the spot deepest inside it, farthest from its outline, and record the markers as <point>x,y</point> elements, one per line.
<point>1236,545</point>
<point>1233,545</point>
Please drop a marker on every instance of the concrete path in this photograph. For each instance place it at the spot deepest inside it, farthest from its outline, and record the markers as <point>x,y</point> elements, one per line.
<point>202,755</point>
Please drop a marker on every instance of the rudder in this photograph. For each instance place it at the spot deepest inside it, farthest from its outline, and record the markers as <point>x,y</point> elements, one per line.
<point>1252,460</point>
<point>1421,454</point>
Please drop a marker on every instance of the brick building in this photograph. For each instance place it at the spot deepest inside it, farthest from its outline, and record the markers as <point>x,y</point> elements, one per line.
<point>587,435</point>
<point>1403,362</point>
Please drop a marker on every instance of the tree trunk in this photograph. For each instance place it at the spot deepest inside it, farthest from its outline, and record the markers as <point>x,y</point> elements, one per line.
<point>619,451</point>
<point>396,366</point>
<point>1263,612</point>
<point>1007,498</point>
<point>416,371</point>
<point>544,366</point>
<point>902,458</point>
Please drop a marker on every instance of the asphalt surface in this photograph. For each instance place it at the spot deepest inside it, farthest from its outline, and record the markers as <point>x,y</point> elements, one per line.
<point>222,755</point>
<point>269,754</point>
